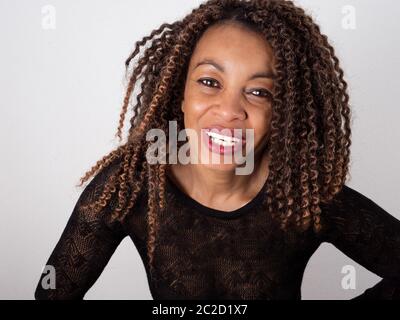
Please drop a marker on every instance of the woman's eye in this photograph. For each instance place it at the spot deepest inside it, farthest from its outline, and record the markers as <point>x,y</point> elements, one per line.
<point>208,82</point>
<point>261,93</point>
<point>265,94</point>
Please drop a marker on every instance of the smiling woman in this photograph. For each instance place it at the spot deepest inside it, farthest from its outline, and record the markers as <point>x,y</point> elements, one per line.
<point>227,88</point>
<point>203,231</point>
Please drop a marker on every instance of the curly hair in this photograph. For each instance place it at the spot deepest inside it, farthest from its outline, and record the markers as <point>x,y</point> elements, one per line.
<point>309,141</point>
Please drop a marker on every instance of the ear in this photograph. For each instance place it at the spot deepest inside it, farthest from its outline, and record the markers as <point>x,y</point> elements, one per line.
<point>182,106</point>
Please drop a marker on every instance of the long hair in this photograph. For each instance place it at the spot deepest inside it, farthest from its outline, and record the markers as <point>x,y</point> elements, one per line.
<point>309,141</point>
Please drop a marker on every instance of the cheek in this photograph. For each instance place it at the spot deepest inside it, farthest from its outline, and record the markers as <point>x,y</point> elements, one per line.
<point>195,106</point>
<point>260,120</point>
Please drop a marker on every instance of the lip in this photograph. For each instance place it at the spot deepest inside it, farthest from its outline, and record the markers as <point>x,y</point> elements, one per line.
<point>238,133</point>
<point>216,148</point>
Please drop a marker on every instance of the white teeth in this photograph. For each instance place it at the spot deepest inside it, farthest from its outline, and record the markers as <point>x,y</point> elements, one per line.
<point>215,136</point>
<point>223,143</point>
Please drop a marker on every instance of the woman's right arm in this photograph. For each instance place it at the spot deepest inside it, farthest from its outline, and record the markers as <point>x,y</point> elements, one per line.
<point>83,250</point>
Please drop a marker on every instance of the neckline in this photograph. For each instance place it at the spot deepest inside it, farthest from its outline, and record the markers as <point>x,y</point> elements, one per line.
<point>194,204</point>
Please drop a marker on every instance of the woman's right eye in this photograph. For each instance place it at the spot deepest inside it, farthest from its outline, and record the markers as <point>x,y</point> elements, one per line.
<point>208,82</point>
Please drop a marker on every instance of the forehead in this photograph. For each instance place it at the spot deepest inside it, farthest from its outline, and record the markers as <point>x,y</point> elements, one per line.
<point>233,43</point>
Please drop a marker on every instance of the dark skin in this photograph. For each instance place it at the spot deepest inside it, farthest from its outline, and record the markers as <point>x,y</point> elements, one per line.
<point>228,86</point>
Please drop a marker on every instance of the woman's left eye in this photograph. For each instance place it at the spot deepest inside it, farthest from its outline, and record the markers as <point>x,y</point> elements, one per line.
<point>261,93</point>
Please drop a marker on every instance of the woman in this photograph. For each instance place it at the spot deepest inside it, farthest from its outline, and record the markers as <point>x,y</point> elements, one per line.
<point>202,230</point>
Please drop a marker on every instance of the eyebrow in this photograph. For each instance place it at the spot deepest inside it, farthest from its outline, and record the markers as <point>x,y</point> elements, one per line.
<point>266,74</point>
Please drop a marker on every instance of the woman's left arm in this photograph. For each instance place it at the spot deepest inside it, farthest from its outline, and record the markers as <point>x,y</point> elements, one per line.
<point>369,235</point>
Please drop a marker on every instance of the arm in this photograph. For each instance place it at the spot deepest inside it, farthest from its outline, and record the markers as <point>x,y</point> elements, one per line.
<point>369,235</point>
<point>85,247</point>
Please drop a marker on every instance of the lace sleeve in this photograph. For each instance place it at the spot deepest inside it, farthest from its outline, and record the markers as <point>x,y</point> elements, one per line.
<point>369,235</point>
<point>84,249</point>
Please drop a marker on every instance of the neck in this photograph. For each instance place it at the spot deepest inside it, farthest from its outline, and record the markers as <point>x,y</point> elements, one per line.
<point>213,186</point>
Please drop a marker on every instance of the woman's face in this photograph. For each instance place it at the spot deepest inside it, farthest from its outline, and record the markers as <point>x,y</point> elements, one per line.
<point>228,86</point>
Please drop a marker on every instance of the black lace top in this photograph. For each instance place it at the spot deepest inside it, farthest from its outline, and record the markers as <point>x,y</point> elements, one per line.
<point>203,253</point>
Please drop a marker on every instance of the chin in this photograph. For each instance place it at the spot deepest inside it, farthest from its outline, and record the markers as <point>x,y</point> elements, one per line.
<point>220,166</point>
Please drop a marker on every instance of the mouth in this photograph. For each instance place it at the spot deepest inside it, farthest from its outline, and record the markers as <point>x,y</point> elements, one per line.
<point>226,134</point>
<point>222,140</point>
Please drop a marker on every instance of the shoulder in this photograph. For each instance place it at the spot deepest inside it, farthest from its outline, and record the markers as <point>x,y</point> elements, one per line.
<point>108,170</point>
<point>110,184</point>
<point>96,185</point>
<point>344,212</point>
<point>351,212</point>
<point>348,198</point>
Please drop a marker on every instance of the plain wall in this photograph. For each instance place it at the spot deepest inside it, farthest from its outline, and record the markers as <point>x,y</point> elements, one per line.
<point>61,95</point>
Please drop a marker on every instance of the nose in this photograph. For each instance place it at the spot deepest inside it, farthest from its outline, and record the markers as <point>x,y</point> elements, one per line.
<point>230,107</point>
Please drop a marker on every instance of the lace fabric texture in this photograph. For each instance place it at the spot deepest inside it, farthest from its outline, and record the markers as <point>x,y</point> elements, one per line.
<point>203,253</point>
